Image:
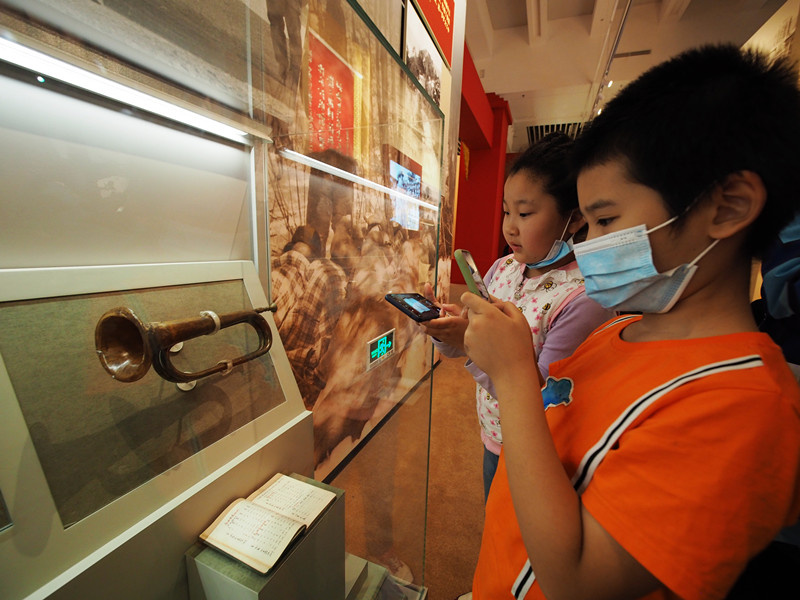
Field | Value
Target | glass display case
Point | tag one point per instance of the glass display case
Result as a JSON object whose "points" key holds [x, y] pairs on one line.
{"points": [[94, 460], [180, 158]]}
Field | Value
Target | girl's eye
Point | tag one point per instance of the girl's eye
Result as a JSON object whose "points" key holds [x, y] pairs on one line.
{"points": [[605, 221], [524, 214]]}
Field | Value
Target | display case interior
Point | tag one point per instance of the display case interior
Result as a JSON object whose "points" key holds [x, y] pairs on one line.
{"points": [[285, 157], [97, 437]]}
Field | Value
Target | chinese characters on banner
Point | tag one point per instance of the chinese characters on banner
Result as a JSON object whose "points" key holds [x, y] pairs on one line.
{"points": [[331, 100], [439, 15]]}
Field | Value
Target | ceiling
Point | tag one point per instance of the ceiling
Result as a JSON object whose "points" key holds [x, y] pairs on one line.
{"points": [[552, 59]]}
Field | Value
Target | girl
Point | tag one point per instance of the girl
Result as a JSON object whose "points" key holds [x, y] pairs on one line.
{"points": [[540, 277]]}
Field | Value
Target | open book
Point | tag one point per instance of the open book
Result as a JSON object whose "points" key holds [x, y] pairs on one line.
{"points": [[259, 529]]}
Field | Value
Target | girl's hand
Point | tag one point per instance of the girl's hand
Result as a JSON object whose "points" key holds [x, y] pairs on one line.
{"points": [[450, 326], [444, 309], [498, 338], [449, 330]]}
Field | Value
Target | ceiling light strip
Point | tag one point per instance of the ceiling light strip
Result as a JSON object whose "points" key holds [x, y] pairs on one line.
{"points": [[47, 66]]}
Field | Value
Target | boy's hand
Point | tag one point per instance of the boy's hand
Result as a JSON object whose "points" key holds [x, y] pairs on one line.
{"points": [[498, 337]]}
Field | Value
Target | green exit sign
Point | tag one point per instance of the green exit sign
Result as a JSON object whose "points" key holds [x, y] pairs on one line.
{"points": [[380, 348]]}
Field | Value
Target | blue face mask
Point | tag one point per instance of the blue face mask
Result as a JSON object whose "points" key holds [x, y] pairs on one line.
{"points": [[558, 250], [619, 273]]}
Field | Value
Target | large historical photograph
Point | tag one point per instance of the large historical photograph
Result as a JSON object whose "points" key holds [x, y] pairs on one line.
{"points": [[422, 55], [350, 221]]}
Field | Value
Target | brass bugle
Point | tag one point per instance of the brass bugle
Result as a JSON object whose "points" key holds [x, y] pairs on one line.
{"points": [[127, 347]]}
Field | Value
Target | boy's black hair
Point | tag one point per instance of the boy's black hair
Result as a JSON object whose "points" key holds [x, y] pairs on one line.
{"points": [[687, 123], [548, 160]]}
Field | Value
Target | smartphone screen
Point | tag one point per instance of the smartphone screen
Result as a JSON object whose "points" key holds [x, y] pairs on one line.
{"points": [[472, 276], [416, 306]]}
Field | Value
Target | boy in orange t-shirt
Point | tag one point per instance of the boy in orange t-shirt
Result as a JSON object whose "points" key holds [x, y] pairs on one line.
{"points": [[664, 454]]}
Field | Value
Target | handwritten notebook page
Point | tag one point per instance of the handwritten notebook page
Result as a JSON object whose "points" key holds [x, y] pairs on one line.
{"points": [[253, 535], [293, 498]]}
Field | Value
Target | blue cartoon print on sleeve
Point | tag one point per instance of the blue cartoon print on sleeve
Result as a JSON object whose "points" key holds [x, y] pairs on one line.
{"points": [[557, 391]]}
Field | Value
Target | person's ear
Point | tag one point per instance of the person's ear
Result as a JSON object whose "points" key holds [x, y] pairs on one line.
{"points": [[737, 202], [576, 221]]}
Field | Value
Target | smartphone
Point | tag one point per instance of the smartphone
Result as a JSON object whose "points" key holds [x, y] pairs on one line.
{"points": [[416, 306], [472, 276]]}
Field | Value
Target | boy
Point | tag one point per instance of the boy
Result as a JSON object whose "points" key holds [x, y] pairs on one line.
{"points": [[668, 451]]}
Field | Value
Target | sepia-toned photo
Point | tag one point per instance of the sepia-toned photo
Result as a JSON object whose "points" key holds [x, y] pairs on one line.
{"points": [[422, 55]]}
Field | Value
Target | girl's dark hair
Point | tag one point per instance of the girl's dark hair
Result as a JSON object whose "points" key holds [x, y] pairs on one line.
{"points": [[689, 122], [548, 160]]}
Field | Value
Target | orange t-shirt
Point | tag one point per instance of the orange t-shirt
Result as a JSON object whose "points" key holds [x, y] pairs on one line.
{"points": [[687, 452]]}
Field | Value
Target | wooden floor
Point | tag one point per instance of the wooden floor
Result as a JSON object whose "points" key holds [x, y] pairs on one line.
{"points": [[455, 489]]}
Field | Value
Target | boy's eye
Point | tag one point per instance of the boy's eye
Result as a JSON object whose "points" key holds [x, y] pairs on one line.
{"points": [[605, 221], [524, 214]]}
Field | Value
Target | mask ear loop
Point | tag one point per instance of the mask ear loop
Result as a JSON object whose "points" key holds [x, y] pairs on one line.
{"points": [[703, 253], [664, 224], [699, 256], [675, 218], [685, 211], [569, 220], [550, 254]]}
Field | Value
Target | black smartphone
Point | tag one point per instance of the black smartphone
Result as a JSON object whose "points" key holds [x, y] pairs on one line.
{"points": [[416, 306]]}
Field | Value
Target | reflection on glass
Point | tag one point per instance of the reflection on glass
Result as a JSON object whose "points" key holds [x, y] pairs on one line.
{"points": [[97, 438], [197, 44], [126, 190], [208, 47], [329, 284], [387, 15], [45, 66]]}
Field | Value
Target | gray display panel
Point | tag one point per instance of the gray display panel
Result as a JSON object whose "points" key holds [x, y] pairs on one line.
{"points": [[97, 438]]}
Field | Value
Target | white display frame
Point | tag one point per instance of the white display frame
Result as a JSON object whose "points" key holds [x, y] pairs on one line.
{"points": [[38, 556]]}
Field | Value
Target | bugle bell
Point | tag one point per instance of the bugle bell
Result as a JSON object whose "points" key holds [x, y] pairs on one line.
{"points": [[127, 347]]}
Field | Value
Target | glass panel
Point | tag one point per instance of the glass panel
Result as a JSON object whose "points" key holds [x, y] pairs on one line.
{"points": [[386, 484], [5, 518], [315, 78], [240, 60], [388, 18], [200, 45], [124, 190], [353, 241], [344, 233], [98, 438], [353, 215]]}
